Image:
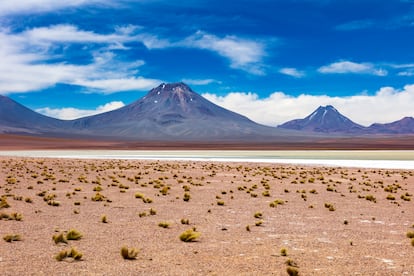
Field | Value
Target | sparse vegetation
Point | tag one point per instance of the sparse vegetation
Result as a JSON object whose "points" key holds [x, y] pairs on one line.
{"points": [[12, 237], [164, 224], [292, 271], [59, 238], [73, 235], [129, 253], [189, 235], [72, 253]]}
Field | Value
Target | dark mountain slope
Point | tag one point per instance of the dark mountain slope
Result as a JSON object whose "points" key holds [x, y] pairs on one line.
{"points": [[173, 111], [16, 118], [403, 126], [324, 119]]}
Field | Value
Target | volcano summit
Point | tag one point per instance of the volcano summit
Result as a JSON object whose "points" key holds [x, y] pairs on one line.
{"points": [[173, 112]]}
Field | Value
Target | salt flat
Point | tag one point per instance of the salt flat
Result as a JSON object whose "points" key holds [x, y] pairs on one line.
{"points": [[390, 159]]}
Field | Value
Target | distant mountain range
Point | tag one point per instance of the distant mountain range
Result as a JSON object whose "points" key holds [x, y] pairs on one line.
{"points": [[171, 112], [174, 112], [327, 119]]}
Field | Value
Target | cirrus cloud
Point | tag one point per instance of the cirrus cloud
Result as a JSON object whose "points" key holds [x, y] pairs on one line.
{"points": [[349, 67], [293, 72]]}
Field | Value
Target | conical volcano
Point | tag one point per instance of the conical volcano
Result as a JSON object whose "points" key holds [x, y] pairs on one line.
{"points": [[324, 119], [172, 111]]}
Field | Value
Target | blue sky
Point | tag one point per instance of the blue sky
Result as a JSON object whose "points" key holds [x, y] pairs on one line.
{"points": [[269, 60]]}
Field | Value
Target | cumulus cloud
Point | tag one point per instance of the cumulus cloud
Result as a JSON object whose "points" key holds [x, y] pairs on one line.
{"points": [[243, 54], [70, 113], [349, 67], [27, 64], [386, 105], [293, 72]]}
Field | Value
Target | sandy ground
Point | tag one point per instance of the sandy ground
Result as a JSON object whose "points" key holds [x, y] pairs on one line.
{"points": [[357, 237]]}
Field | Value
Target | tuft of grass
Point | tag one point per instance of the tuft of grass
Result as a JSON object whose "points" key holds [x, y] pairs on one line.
{"points": [[258, 215], [248, 228], [410, 234], [12, 237], [390, 197], [139, 195], [73, 235], [292, 271], [186, 196], [152, 212], [61, 255], [129, 253], [76, 255], [259, 223], [189, 235], [72, 253], [220, 203], [276, 202], [266, 193], [12, 216], [371, 198], [59, 238], [98, 197], [164, 224], [104, 219], [330, 207], [4, 203], [291, 262], [283, 252], [185, 221], [412, 241]]}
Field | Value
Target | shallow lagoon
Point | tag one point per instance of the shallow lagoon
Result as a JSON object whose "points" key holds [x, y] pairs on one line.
{"points": [[358, 158]]}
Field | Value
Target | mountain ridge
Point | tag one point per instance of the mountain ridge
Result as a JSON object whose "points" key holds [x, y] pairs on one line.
{"points": [[174, 112], [327, 119]]}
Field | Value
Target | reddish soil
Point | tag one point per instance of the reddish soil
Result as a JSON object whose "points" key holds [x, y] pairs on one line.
{"points": [[363, 234], [15, 142]]}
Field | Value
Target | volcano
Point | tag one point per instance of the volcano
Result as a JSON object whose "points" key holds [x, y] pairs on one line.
{"points": [[173, 112], [403, 126], [16, 118], [324, 119]]}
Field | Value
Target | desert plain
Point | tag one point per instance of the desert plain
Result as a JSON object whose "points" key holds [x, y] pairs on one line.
{"points": [[252, 218]]}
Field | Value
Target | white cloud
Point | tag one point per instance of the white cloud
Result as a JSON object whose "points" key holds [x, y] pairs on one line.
{"points": [[387, 105], [70, 113], [200, 81], [243, 54], [37, 6], [293, 72], [349, 67], [408, 73], [26, 63], [114, 85]]}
